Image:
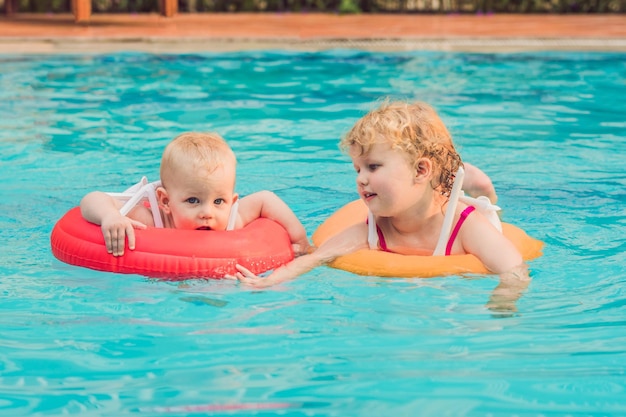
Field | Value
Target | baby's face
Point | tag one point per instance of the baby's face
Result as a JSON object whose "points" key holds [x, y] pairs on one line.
{"points": [[201, 201]]}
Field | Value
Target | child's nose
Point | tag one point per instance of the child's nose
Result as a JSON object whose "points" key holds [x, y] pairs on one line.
{"points": [[361, 177]]}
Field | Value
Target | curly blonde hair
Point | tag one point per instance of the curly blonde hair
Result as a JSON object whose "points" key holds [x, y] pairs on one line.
{"points": [[413, 128]]}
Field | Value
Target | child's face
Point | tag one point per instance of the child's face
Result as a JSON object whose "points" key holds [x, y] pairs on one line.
{"points": [[200, 202], [385, 180]]}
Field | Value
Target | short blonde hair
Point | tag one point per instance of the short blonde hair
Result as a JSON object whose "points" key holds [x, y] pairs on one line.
{"points": [[413, 128], [207, 150]]}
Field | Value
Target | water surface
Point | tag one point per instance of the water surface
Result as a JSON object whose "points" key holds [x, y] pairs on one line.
{"points": [[547, 127]]}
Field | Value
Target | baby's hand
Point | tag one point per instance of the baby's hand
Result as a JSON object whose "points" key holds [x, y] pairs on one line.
{"points": [[246, 277], [115, 229]]}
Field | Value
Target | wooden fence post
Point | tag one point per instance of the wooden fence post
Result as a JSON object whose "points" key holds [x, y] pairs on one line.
{"points": [[10, 7], [168, 7], [81, 10]]}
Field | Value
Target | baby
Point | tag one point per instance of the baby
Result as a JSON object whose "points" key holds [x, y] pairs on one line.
{"points": [[197, 191]]}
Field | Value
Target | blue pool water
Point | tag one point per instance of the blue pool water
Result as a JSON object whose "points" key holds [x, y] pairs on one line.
{"points": [[549, 128]]}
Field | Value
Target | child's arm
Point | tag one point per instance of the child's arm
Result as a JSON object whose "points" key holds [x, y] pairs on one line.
{"points": [[483, 240], [477, 183], [500, 256], [269, 205], [102, 209], [510, 288], [350, 240]]}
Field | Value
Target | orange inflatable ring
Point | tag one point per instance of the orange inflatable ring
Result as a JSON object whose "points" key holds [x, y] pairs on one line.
{"points": [[171, 253], [385, 264]]}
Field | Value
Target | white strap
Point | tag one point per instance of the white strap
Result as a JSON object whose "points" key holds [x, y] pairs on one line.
{"points": [[484, 206], [140, 192], [232, 217], [440, 249], [372, 234], [154, 204]]}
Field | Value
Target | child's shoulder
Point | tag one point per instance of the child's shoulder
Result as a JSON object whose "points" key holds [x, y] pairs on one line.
{"points": [[484, 208]]}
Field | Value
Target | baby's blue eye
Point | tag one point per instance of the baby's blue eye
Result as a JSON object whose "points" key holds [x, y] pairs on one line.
{"points": [[193, 200], [373, 167], [219, 201]]}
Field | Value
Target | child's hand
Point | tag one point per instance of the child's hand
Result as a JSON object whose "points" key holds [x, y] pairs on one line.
{"points": [[246, 277], [302, 248], [115, 229]]}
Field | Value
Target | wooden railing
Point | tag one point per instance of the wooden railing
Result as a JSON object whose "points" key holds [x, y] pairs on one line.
{"points": [[82, 8]]}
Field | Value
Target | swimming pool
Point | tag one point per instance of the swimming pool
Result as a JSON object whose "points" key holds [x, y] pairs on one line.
{"points": [[547, 127]]}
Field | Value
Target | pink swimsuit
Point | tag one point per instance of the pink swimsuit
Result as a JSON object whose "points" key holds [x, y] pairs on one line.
{"points": [[383, 245]]}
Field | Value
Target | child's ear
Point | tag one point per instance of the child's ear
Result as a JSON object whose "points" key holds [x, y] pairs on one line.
{"points": [[235, 198], [163, 199], [423, 169]]}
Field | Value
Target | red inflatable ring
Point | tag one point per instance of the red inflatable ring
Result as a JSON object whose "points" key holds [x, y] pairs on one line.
{"points": [[174, 254]]}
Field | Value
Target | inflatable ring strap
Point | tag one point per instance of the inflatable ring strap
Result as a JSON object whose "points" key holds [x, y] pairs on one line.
{"points": [[386, 264], [174, 254]]}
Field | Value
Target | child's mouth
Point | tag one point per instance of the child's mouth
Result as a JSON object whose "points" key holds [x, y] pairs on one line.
{"points": [[203, 228]]}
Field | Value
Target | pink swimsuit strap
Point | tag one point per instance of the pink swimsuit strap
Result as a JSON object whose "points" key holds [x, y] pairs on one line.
{"points": [[383, 245], [381, 240], [457, 227]]}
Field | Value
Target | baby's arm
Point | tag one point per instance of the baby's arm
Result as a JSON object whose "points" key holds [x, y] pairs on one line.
{"points": [[477, 183], [350, 240], [102, 209], [269, 205]]}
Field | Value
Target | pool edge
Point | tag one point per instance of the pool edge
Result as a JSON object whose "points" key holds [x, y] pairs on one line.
{"points": [[47, 45]]}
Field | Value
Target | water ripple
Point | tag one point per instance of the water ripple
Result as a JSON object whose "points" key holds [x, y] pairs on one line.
{"points": [[547, 127]]}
